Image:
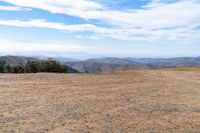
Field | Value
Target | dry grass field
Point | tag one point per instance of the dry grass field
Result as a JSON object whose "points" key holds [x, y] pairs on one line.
{"points": [[119, 102]]}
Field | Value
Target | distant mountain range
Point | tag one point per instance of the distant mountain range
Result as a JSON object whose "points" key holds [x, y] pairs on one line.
{"points": [[105, 64], [112, 64]]}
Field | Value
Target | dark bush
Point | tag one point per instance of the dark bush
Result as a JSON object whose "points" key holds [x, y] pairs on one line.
{"points": [[36, 66], [45, 66], [52, 66], [2, 66], [16, 68], [32, 67]]}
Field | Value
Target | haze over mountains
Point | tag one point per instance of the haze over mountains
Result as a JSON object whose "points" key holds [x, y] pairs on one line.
{"points": [[112, 64]]}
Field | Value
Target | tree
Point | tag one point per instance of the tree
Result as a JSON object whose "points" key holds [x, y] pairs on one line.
{"points": [[48, 65], [2, 66], [32, 67], [7, 69], [53, 66]]}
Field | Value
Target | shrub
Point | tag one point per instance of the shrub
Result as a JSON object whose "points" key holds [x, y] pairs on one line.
{"points": [[16, 68], [45, 66], [32, 67], [36, 66], [2, 66]]}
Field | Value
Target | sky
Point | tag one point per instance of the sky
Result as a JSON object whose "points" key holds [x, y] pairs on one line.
{"points": [[100, 28]]}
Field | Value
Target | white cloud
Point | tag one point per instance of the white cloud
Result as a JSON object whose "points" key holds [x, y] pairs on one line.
{"points": [[153, 15], [174, 34], [157, 21], [60, 26], [45, 24], [107, 32], [13, 8], [10, 46]]}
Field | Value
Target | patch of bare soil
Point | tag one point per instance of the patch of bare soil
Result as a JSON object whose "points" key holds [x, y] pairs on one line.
{"points": [[132, 101]]}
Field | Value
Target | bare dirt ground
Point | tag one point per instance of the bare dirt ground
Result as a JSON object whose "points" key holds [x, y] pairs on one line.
{"points": [[132, 101]]}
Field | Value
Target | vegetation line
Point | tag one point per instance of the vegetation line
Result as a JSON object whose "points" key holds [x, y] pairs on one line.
{"points": [[31, 66]]}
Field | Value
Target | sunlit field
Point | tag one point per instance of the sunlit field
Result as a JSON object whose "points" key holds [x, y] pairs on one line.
{"points": [[130, 101]]}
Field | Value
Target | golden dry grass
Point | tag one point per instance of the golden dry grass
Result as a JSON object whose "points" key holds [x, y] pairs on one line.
{"points": [[131, 101]]}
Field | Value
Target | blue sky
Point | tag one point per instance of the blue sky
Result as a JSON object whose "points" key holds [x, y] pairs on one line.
{"points": [[100, 28]]}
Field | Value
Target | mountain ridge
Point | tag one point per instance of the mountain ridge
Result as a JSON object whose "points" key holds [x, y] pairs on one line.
{"points": [[106, 64]]}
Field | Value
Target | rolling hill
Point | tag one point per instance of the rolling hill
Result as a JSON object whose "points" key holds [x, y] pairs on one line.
{"points": [[108, 64]]}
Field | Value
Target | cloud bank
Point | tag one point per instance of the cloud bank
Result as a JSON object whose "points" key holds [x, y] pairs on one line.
{"points": [[172, 20]]}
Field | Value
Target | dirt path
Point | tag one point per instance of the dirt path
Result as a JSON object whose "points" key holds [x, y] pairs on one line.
{"points": [[134, 101]]}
